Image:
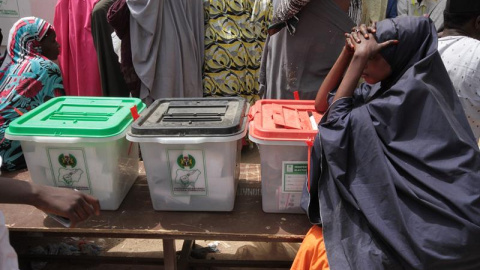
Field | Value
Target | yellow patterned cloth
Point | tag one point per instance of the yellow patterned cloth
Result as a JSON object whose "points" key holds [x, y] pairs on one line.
{"points": [[235, 33]]}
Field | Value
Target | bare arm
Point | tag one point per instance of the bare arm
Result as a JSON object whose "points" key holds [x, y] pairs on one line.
{"points": [[352, 76], [364, 50], [335, 75], [60, 201], [332, 80]]}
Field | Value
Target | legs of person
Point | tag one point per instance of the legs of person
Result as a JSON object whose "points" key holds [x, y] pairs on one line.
{"points": [[312, 254], [113, 83]]}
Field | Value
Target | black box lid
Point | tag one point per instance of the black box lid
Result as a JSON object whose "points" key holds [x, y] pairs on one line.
{"points": [[196, 117]]}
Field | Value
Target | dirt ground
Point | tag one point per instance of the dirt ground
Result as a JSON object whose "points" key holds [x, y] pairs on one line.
{"points": [[150, 248]]}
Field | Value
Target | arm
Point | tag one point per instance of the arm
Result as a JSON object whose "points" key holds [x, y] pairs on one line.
{"points": [[60, 201], [352, 76], [335, 75], [364, 50], [333, 79]]}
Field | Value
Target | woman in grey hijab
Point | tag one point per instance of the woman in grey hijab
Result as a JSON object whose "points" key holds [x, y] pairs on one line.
{"points": [[167, 47]]}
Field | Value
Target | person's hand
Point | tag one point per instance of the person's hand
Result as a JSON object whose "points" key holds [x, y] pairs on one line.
{"points": [[357, 31], [363, 30], [65, 202], [370, 47], [364, 34]]}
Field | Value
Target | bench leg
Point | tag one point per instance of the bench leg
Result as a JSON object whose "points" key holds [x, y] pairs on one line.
{"points": [[169, 254], [184, 259]]}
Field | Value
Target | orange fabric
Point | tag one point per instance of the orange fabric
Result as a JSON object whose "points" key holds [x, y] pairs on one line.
{"points": [[312, 254]]}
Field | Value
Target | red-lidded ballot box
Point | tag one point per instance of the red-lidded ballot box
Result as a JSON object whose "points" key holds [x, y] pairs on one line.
{"points": [[283, 129]]}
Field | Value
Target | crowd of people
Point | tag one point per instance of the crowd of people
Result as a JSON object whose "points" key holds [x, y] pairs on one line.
{"points": [[395, 165]]}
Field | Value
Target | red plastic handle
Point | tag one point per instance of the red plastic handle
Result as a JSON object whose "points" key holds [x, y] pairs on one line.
{"points": [[134, 112], [296, 95]]}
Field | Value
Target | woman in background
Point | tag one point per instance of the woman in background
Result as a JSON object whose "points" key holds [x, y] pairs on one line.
{"points": [[28, 78]]}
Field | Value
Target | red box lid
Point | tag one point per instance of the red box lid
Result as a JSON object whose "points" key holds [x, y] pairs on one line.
{"points": [[283, 120]]}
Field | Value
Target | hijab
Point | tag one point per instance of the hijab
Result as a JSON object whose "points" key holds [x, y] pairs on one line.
{"points": [[395, 175], [27, 79]]}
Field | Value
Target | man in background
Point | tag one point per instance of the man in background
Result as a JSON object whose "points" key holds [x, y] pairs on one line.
{"points": [[459, 48]]}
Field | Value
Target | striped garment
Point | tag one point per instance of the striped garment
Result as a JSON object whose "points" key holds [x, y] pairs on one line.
{"points": [[27, 79]]}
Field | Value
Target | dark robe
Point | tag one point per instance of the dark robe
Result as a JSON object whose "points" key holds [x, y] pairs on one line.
{"points": [[395, 179]]}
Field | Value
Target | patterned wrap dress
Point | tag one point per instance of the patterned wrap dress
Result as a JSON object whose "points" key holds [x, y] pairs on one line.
{"points": [[235, 34], [27, 80]]}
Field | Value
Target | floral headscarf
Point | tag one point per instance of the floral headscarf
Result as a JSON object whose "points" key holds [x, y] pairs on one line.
{"points": [[27, 79]]}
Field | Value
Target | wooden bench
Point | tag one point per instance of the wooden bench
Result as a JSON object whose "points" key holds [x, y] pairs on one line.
{"points": [[136, 218]]}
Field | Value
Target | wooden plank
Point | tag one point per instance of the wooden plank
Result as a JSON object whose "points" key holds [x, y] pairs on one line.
{"points": [[88, 259], [153, 261]]}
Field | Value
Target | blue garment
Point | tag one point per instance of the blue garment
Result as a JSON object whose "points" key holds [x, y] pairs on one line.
{"points": [[27, 80], [395, 168], [391, 9]]}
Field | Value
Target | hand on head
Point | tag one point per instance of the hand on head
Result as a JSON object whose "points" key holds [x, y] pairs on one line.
{"points": [[356, 32], [361, 41]]}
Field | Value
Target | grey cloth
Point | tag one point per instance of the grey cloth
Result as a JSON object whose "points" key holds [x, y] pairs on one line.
{"points": [[434, 9], [301, 62], [113, 83], [168, 47]]}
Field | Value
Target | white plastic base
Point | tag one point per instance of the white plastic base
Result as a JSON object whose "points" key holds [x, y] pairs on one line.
{"points": [[274, 198], [105, 170], [215, 168]]}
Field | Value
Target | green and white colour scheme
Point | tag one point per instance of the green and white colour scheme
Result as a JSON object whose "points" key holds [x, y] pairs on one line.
{"points": [[79, 143]]}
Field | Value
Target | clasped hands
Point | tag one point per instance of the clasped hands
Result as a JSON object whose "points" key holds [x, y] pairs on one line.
{"points": [[361, 41]]}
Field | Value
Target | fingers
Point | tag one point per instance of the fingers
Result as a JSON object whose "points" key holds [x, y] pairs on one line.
{"points": [[373, 27], [364, 31], [350, 44], [355, 36], [387, 43], [93, 203], [81, 213], [85, 207]]}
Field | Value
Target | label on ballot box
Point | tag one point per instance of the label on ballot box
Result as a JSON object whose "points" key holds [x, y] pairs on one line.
{"points": [[69, 168], [187, 169], [293, 175]]}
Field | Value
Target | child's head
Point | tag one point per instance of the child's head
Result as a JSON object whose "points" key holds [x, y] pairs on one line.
{"points": [[376, 70], [417, 38]]}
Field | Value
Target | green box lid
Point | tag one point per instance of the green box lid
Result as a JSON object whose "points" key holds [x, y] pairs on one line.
{"points": [[87, 117]]}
